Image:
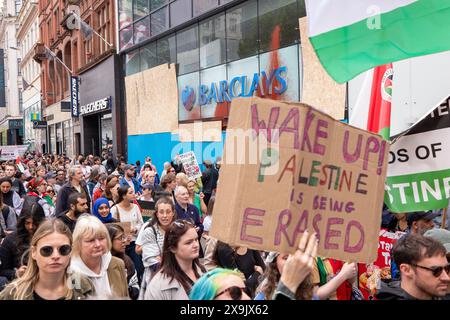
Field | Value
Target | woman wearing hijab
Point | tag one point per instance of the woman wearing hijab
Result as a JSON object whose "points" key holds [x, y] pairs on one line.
{"points": [[102, 210]]}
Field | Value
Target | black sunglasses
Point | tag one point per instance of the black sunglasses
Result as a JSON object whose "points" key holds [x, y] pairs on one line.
{"points": [[183, 223], [235, 292], [437, 271], [47, 251]]}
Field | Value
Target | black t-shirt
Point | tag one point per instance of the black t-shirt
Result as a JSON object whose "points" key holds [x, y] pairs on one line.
{"points": [[69, 222], [38, 297]]}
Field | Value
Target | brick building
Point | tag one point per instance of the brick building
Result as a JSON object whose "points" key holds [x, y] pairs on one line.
{"points": [[92, 60]]}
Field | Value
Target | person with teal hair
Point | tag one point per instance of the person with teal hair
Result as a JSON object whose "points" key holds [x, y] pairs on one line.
{"points": [[220, 284], [102, 210]]}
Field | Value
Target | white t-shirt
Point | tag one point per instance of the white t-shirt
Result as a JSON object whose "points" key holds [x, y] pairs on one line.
{"points": [[132, 215]]}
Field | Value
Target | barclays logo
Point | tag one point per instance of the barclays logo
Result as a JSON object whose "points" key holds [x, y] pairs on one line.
{"points": [[188, 98]]}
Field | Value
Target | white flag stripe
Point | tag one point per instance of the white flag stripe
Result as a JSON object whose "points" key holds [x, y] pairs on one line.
{"points": [[360, 112], [416, 165], [327, 15]]}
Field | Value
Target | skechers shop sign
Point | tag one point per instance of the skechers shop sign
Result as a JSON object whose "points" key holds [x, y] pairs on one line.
{"points": [[265, 84], [96, 106]]}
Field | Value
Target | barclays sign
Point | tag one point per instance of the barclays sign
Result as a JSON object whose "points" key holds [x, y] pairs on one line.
{"points": [[224, 91]]}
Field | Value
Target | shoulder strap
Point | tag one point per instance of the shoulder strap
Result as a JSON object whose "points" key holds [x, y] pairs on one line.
{"points": [[116, 211], [156, 239]]}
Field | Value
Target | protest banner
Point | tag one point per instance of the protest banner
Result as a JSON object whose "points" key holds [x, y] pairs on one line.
{"points": [[190, 165], [371, 274], [418, 175], [313, 172], [12, 152]]}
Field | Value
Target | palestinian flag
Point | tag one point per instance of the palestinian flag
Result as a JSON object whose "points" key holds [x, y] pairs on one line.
{"points": [[379, 117], [372, 110], [352, 36]]}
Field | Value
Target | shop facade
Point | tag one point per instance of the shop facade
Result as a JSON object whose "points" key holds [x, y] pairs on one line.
{"points": [[59, 132], [221, 49], [99, 101]]}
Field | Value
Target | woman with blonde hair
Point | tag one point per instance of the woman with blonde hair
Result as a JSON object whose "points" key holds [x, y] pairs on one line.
{"points": [[46, 276], [92, 258]]}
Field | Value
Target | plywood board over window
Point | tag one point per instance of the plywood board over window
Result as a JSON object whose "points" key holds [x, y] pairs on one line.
{"points": [[319, 89], [152, 100], [201, 131]]}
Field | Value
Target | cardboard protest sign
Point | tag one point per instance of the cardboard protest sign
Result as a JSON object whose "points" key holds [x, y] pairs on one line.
{"points": [[310, 172], [190, 165], [371, 274], [418, 176], [147, 208]]}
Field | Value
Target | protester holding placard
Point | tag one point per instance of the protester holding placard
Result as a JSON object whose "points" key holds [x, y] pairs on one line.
{"points": [[275, 264]]}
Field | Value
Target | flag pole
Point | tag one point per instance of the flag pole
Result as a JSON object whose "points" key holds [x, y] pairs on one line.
{"points": [[55, 57], [79, 19], [444, 218]]}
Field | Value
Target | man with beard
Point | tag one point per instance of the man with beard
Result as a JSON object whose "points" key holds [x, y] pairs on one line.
{"points": [[77, 206], [423, 267]]}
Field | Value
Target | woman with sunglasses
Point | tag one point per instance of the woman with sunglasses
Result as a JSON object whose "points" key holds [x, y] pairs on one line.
{"points": [[92, 258], [220, 284], [151, 240], [180, 265], [46, 277]]}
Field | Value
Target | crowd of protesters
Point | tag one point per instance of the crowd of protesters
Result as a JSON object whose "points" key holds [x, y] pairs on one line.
{"points": [[77, 229]]}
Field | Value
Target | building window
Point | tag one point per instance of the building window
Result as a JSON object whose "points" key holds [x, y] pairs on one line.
{"points": [[212, 41], [242, 31], [278, 20], [155, 4], [142, 30], [19, 71], [148, 56], [103, 27], [125, 13], [167, 50], [132, 62], [141, 9], [20, 102], [187, 50], [18, 5], [202, 6], [180, 11], [160, 21]]}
